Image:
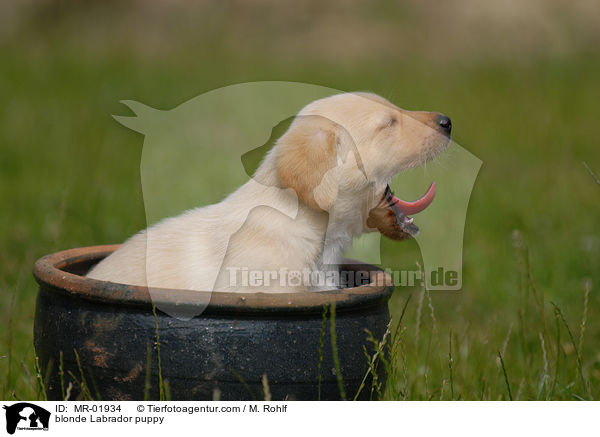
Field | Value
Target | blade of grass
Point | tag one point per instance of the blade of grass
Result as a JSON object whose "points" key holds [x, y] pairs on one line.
{"points": [[373, 360], [266, 388], [505, 376], [404, 356], [544, 377], [94, 386], [373, 370], [30, 379], [406, 302], [161, 386], [334, 349], [167, 390], [85, 391], [321, 338], [61, 374], [596, 179], [588, 286], [557, 362], [239, 377], [41, 379], [482, 384], [148, 372], [568, 390], [450, 365], [68, 393], [577, 355]]}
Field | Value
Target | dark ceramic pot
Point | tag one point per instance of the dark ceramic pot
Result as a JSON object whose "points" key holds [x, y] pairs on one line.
{"points": [[221, 353]]}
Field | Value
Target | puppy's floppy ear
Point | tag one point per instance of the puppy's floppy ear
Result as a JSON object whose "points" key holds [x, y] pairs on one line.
{"points": [[307, 160]]}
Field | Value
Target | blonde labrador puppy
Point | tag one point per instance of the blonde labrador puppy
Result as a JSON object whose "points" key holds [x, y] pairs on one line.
{"points": [[324, 182]]}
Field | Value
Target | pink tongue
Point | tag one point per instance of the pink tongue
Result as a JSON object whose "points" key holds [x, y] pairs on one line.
{"points": [[410, 208]]}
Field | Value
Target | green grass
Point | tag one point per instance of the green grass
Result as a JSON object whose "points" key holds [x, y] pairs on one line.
{"points": [[532, 353], [69, 177]]}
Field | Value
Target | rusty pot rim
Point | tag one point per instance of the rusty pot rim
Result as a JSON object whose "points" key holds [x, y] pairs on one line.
{"points": [[49, 271]]}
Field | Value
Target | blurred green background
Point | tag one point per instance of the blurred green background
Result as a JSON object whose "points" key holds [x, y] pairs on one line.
{"points": [[521, 81]]}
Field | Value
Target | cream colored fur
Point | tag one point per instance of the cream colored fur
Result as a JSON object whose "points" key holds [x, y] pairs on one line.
{"points": [[308, 199]]}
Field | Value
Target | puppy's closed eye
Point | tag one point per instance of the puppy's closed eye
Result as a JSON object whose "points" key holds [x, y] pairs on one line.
{"points": [[390, 121]]}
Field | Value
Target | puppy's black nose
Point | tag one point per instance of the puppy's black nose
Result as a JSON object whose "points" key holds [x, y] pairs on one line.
{"points": [[445, 124]]}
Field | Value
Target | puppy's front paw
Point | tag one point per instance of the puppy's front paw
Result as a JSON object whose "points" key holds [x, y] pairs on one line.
{"points": [[389, 223]]}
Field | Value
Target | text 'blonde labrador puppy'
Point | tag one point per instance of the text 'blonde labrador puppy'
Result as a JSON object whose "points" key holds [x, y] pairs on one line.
{"points": [[324, 182]]}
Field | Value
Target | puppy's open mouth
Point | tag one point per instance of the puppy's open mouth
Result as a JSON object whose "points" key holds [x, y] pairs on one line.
{"points": [[403, 209]]}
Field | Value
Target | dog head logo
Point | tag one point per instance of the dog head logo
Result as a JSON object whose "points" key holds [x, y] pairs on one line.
{"points": [[26, 416], [245, 121]]}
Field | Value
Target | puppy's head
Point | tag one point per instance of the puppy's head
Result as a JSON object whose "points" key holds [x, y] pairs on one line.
{"points": [[340, 154]]}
